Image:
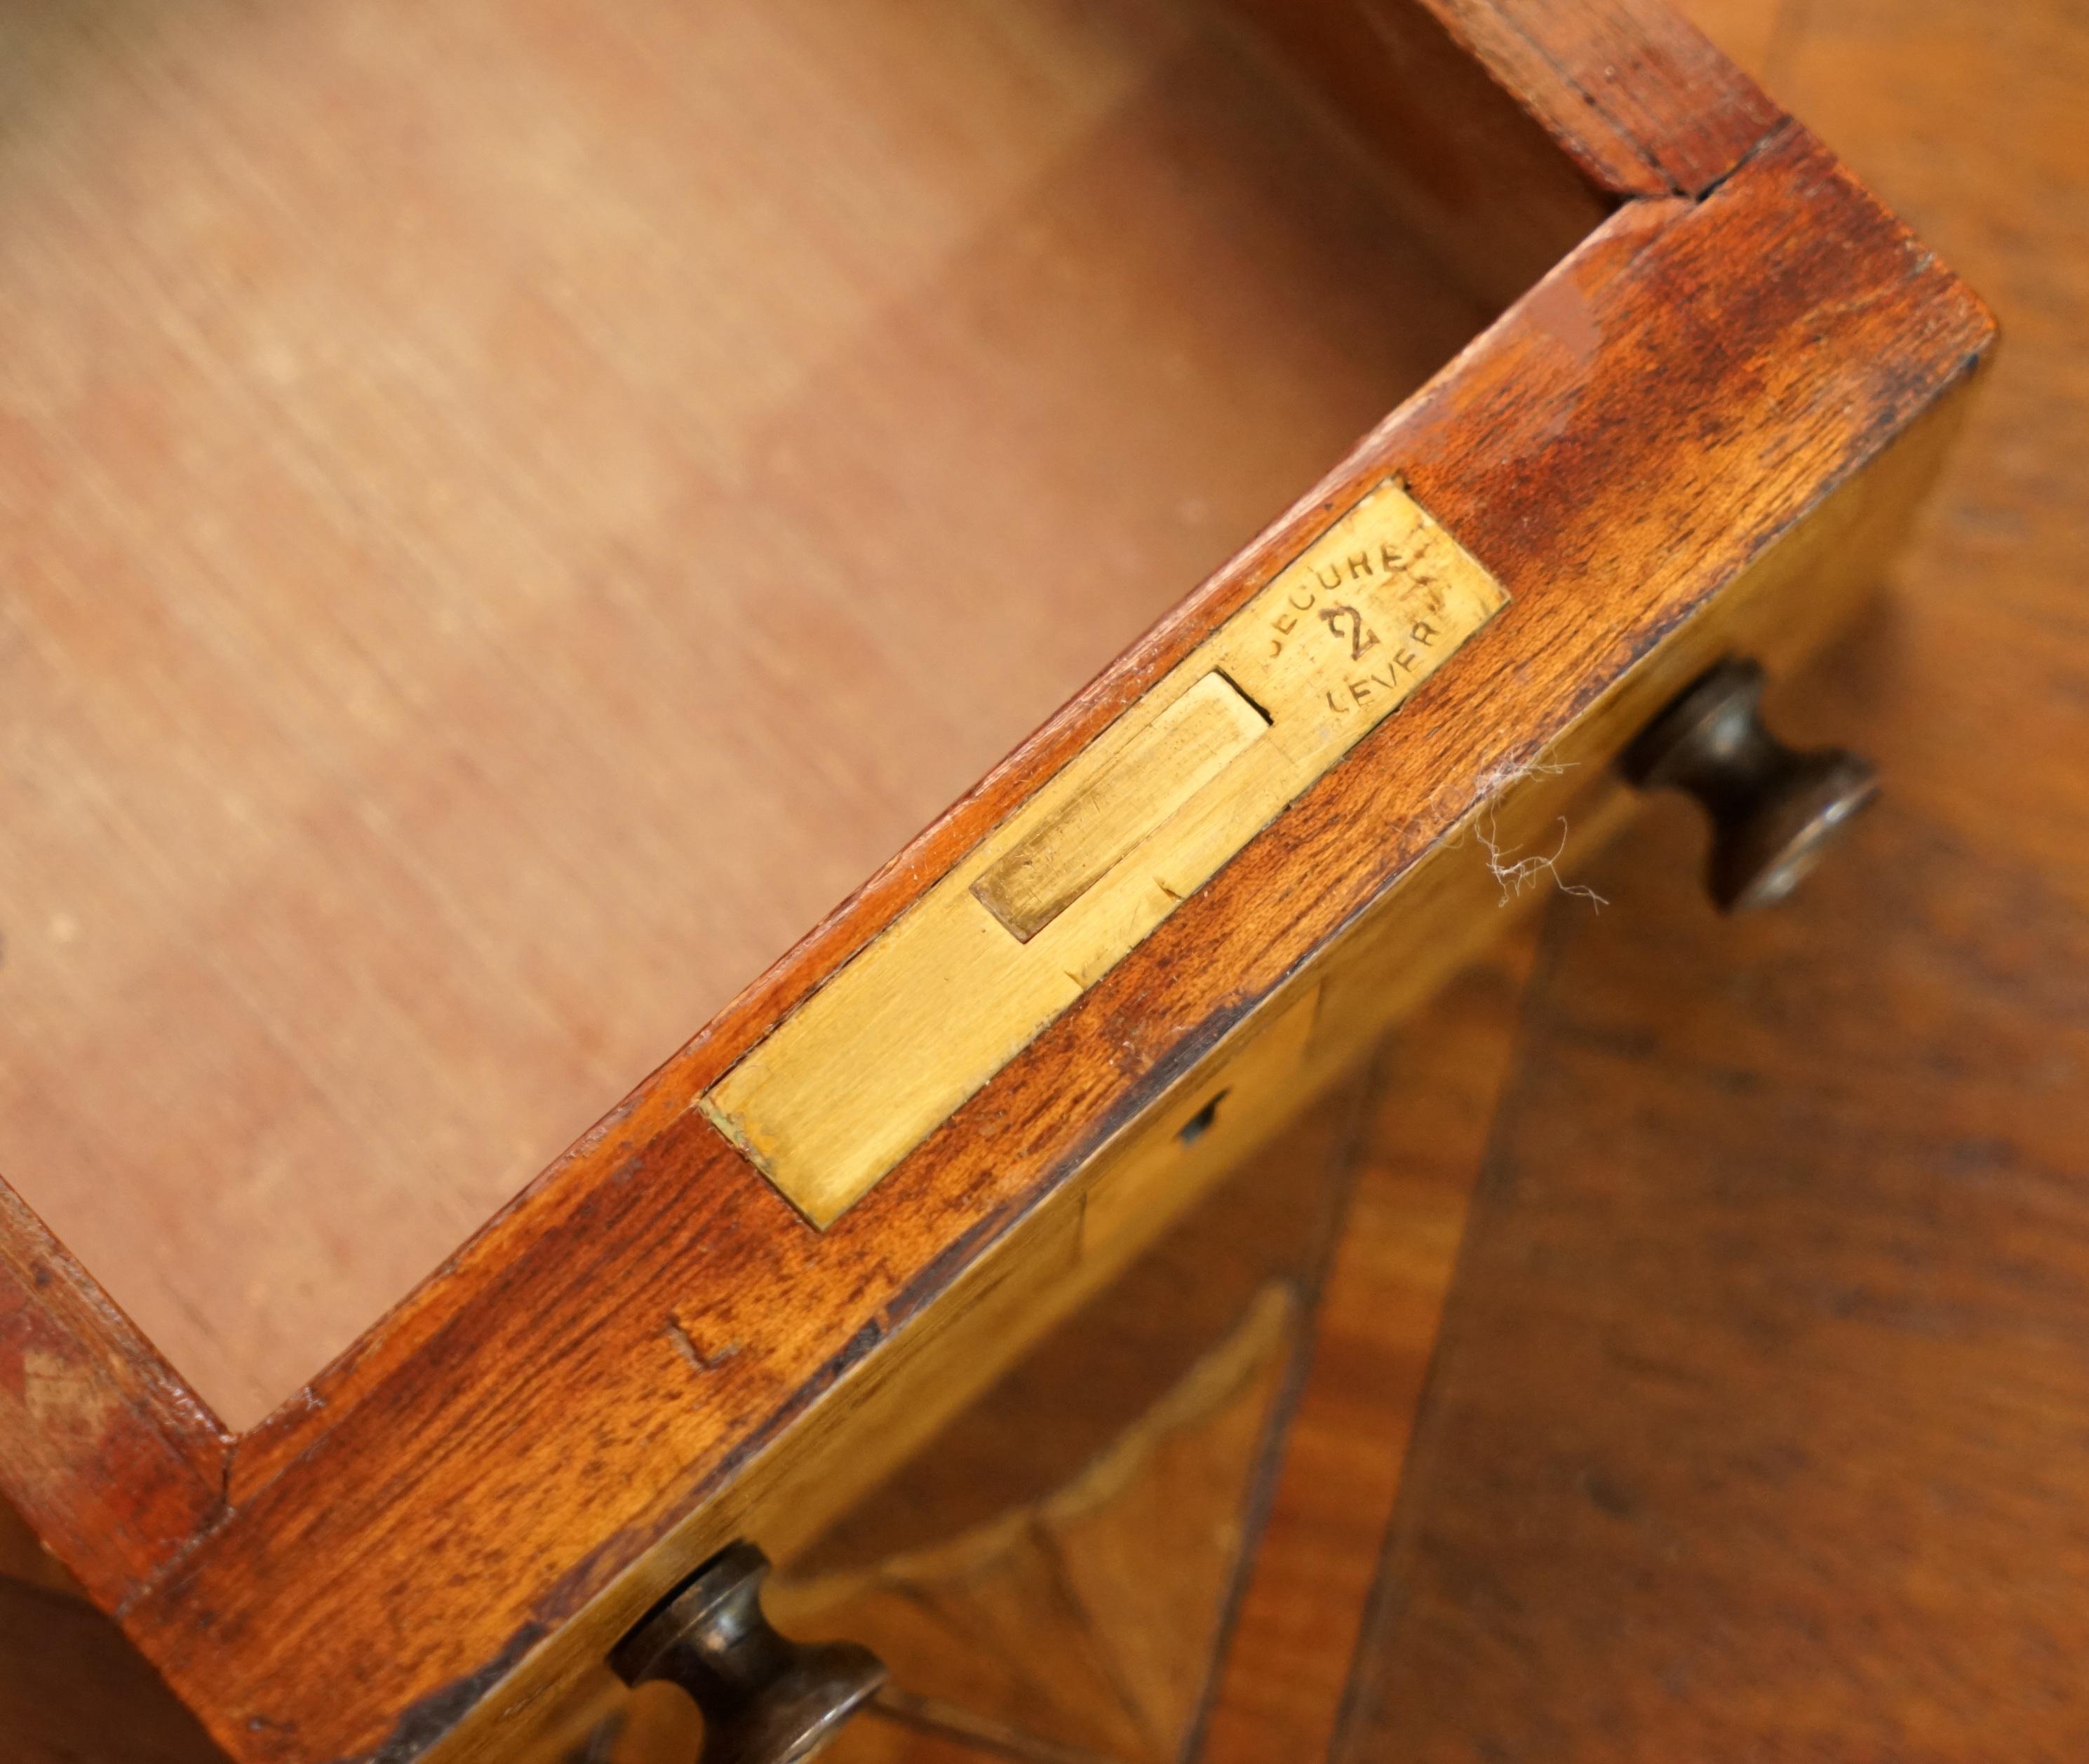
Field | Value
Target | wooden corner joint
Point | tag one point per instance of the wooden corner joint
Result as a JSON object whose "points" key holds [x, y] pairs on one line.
{"points": [[105, 1450]]}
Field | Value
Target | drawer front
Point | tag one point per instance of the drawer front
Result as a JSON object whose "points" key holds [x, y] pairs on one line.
{"points": [[1259, 987], [1149, 940]]}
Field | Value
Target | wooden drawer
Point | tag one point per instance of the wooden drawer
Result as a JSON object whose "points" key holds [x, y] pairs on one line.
{"points": [[512, 513]]}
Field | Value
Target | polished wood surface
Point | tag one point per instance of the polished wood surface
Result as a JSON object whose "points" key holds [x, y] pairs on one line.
{"points": [[109, 1458], [1758, 1429], [498, 547], [566, 1325], [1070, 1596], [458, 1517], [1757, 1432], [1208, 1450], [1280, 1675]]}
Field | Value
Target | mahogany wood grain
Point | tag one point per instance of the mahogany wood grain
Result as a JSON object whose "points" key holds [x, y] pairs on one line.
{"points": [[1283, 1675], [1412, 1134], [1634, 73], [1072, 1604], [1476, 176], [102, 1449], [533, 1410], [1760, 1419], [1505, 127], [1639, 103], [1130, 1444], [488, 571], [458, 1515], [1615, 1554], [1050, 1573]]}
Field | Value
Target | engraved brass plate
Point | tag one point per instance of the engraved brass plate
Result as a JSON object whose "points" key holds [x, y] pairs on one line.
{"points": [[1136, 822]]}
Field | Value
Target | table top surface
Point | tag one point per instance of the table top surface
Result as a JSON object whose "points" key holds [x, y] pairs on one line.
{"points": [[1758, 1427]]}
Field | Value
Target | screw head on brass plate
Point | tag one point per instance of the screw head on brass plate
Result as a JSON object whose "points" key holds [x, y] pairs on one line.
{"points": [[765, 1699], [1774, 810]]}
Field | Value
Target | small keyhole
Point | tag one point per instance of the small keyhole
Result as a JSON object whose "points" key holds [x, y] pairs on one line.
{"points": [[1200, 1124]]}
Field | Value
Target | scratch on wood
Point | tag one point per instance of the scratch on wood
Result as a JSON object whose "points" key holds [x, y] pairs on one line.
{"points": [[685, 1345]]}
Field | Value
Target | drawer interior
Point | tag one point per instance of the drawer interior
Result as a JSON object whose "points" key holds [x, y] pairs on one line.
{"points": [[512, 510]]}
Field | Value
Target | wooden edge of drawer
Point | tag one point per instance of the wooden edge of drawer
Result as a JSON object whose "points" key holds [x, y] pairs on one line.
{"points": [[831, 1100], [533, 1456], [1289, 1049], [1682, 115]]}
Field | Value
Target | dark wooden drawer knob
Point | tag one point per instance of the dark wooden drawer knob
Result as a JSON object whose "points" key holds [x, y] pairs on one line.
{"points": [[1774, 809], [765, 1699]]}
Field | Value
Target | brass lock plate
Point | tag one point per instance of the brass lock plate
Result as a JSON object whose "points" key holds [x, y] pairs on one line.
{"points": [[1076, 878]]}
